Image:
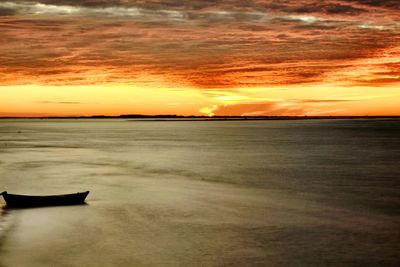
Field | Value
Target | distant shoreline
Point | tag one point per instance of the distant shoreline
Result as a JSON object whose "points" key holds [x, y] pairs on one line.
{"points": [[203, 118]]}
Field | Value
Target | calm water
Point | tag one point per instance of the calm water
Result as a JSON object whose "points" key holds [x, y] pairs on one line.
{"points": [[216, 193]]}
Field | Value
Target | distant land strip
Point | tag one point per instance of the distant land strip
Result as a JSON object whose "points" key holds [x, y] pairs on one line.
{"points": [[203, 118]]}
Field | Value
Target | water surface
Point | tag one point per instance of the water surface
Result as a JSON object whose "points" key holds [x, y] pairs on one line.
{"points": [[206, 193]]}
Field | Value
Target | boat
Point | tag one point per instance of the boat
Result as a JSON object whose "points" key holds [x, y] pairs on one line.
{"points": [[26, 201]]}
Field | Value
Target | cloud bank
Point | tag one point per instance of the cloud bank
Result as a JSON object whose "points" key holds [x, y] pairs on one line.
{"points": [[200, 44]]}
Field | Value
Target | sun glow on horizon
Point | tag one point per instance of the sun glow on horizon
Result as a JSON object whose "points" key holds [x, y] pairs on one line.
{"points": [[119, 99]]}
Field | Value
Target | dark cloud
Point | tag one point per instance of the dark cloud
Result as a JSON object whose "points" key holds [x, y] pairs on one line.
{"points": [[343, 9], [378, 3], [321, 7], [330, 7], [4, 11]]}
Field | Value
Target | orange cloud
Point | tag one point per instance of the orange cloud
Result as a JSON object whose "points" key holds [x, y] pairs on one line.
{"points": [[299, 107], [202, 45], [225, 45]]}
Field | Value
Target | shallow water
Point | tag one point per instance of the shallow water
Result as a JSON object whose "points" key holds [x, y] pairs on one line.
{"points": [[206, 193]]}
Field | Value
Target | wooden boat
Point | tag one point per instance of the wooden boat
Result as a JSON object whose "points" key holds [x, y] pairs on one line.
{"points": [[25, 201]]}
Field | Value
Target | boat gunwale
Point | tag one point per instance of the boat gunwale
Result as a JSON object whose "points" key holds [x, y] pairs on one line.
{"points": [[5, 193]]}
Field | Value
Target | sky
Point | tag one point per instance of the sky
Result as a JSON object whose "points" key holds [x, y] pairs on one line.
{"points": [[230, 57]]}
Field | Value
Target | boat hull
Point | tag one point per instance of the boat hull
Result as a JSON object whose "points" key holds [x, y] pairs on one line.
{"points": [[25, 201]]}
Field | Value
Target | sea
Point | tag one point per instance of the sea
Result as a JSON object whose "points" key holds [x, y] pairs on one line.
{"points": [[203, 193]]}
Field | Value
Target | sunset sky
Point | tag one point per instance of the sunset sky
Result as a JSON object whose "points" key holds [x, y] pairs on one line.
{"points": [[231, 57]]}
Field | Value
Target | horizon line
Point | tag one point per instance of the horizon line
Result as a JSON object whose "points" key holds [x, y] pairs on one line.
{"points": [[203, 117]]}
